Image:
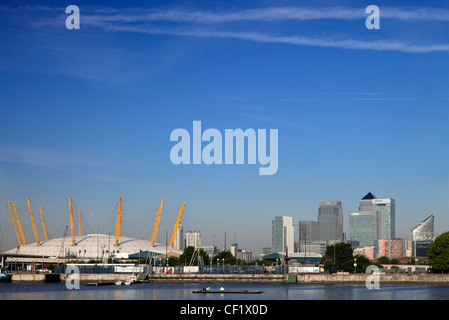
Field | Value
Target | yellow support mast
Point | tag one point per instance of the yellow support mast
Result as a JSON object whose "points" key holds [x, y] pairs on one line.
{"points": [[79, 223], [24, 240], [72, 225], [118, 228], [15, 225], [156, 223], [33, 222], [178, 221], [43, 225]]}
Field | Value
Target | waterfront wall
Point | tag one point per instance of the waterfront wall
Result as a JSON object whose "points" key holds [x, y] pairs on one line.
{"points": [[383, 278], [220, 278], [246, 278]]}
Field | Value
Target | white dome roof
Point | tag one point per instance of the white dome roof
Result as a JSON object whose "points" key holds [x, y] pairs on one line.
{"points": [[94, 246]]}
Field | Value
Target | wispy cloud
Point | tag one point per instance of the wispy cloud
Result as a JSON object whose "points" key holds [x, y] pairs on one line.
{"points": [[220, 24], [133, 15], [41, 158], [378, 45]]}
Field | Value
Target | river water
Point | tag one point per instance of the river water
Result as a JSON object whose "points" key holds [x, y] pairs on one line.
{"points": [[181, 291]]}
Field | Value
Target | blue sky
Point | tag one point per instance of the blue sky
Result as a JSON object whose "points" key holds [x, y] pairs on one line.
{"points": [[89, 112]]}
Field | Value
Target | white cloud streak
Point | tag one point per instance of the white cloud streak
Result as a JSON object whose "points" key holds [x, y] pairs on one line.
{"points": [[192, 23], [41, 158], [379, 45], [138, 15]]}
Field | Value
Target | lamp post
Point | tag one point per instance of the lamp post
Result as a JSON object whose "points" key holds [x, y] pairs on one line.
{"points": [[355, 265]]}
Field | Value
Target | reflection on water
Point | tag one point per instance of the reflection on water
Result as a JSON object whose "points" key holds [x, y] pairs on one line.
{"points": [[179, 291]]}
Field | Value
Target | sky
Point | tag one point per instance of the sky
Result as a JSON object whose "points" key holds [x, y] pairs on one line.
{"points": [[88, 113]]}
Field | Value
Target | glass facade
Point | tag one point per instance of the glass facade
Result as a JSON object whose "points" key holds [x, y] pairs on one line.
{"points": [[308, 231], [425, 230], [364, 227], [330, 221], [387, 214], [282, 234]]}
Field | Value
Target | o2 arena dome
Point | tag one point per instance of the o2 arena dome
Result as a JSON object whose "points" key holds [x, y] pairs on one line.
{"points": [[93, 246]]}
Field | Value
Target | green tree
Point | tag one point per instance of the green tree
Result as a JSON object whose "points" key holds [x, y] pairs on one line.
{"points": [[383, 260], [186, 256], [338, 257], [362, 263], [438, 254], [394, 261], [226, 255]]}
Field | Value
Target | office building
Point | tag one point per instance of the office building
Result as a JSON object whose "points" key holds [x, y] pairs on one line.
{"points": [[387, 214], [330, 221], [364, 228], [392, 248], [193, 239], [425, 230], [369, 251], [179, 242], [366, 203], [314, 247], [308, 231], [282, 234]]}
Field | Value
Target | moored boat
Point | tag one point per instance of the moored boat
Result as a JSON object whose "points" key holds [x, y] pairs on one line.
{"points": [[5, 277]]}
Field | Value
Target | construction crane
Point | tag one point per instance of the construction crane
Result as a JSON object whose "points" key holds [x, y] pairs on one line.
{"points": [[175, 228], [156, 223], [62, 242], [118, 228]]}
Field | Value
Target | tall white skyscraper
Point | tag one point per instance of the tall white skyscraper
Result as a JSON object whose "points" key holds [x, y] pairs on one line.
{"points": [[193, 239], [282, 234], [179, 239]]}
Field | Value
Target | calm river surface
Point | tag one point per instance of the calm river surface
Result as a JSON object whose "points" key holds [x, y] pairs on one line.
{"points": [[176, 291]]}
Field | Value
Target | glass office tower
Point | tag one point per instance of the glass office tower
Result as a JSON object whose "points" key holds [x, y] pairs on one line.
{"points": [[387, 214], [425, 230], [330, 221], [282, 234], [364, 227]]}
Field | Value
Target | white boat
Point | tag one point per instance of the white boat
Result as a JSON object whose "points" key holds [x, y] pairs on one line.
{"points": [[118, 283], [131, 281]]}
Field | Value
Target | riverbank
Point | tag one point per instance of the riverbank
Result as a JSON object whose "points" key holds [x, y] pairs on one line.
{"points": [[402, 278], [441, 279]]}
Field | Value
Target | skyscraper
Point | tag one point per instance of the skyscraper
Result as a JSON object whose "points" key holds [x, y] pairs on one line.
{"points": [[383, 214], [179, 242], [387, 213], [193, 239], [282, 234], [364, 228], [425, 230], [330, 221], [364, 225], [308, 231], [366, 203]]}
